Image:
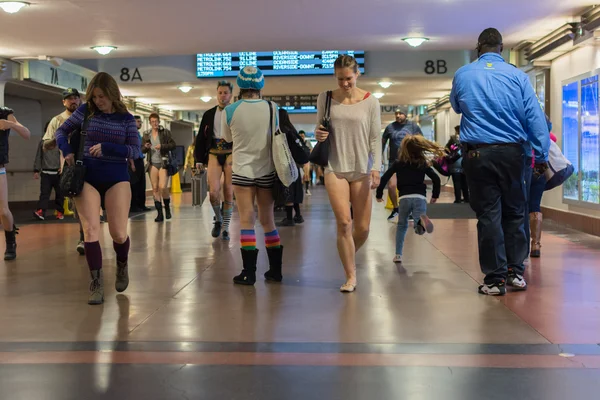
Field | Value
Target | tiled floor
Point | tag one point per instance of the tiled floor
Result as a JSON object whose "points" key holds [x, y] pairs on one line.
{"points": [[417, 331]]}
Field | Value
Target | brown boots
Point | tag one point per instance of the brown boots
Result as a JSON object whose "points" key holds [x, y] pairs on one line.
{"points": [[535, 223]]}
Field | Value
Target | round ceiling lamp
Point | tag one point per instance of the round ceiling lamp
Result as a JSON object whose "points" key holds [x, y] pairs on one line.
{"points": [[104, 50], [12, 7], [415, 41]]}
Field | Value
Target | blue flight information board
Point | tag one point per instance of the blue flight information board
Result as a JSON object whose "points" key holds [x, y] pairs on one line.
{"points": [[273, 63]]}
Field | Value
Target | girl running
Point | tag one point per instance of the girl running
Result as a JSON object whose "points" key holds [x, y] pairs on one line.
{"points": [[414, 162]]}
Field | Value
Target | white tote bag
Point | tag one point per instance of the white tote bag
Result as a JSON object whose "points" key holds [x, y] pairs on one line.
{"points": [[559, 167], [286, 168]]}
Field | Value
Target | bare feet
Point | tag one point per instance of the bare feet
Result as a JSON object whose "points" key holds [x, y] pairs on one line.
{"points": [[349, 286]]}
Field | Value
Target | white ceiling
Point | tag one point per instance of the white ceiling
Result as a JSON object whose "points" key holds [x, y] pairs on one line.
{"points": [[142, 28]]}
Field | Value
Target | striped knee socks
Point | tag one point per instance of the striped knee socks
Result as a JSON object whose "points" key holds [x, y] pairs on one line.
{"points": [[217, 209], [248, 239], [272, 240], [227, 211]]}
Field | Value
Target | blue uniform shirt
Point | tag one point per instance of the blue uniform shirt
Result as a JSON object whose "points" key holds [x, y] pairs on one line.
{"points": [[499, 106]]}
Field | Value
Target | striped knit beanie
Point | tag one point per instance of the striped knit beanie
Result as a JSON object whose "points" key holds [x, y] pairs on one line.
{"points": [[251, 78]]}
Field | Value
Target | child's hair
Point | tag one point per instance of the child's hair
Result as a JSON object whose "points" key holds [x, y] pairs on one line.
{"points": [[415, 149]]}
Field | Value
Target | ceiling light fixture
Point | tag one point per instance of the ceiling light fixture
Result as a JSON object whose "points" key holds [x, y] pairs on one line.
{"points": [[185, 89], [385, 85], [415, 41], [206, 99], [379, 95], [12, 7], [104, 50]]}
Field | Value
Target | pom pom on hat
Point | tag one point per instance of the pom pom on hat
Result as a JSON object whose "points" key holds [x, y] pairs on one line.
{"points": [[251, 78]]}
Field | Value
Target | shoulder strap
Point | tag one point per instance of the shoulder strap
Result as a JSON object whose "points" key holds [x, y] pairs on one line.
{"points": [[272, 117], [328, 103], [83, 134]]}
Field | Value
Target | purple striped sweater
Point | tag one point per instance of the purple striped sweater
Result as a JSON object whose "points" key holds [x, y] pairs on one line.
{"points": [[116, 132]]}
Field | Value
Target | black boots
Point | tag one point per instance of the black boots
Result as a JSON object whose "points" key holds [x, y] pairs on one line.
{"points": [[11, 244], [274, 272], [160, 217], [249, 258], [167, 208], [248, 275]]}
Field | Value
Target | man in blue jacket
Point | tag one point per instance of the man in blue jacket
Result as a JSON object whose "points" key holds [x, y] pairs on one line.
{"points": [[502, 121]]}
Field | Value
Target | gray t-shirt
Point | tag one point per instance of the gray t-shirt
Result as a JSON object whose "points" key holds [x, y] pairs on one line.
{"points": [[355, 135], [156, 157]]}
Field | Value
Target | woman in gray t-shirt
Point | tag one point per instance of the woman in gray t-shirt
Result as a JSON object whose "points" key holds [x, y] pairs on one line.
{"points": [[354, 160]]}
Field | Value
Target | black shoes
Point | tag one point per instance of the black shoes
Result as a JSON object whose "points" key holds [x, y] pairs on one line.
{"points": [[286, 222], [216, 231]]}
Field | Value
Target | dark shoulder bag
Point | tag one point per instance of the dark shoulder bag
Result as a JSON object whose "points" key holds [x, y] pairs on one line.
{"points": [[73, 176], [320, 154]]}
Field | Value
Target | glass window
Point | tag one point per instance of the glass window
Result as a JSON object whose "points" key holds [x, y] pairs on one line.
{"points": [[570, 137], [590, 152], [540, 89]]}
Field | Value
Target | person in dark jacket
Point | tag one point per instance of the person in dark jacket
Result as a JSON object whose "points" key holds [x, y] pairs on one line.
{"points": [[459, 179], [295, 193], [410, 170], [138, 177], [158, 142], [213, 152], [47, 166], [8, 122]]}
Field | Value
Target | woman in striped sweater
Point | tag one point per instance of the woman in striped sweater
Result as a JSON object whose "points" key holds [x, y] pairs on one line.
{"points": [[112, 138]]}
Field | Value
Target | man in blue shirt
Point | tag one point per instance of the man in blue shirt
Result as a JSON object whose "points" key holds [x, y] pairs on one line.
{"points": [[502, 121], [395, 133]]}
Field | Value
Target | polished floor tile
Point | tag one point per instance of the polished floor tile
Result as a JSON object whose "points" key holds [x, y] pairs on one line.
{"points": [[419, 330]]}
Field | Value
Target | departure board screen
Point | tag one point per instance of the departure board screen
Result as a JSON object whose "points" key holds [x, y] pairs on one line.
{"points": [[298, 104], [273, 63]]}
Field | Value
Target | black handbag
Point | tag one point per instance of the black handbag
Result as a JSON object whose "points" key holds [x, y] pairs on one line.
{"points": [[172, 165], [320, 153], [73, 176]]}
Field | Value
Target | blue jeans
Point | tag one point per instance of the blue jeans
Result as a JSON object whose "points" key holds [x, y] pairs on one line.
{"points": [[536, 191], [528, 183], [496, 176], [415, 206]]}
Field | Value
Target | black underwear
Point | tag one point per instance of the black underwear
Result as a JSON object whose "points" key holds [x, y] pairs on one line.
{"points": [[221, 158]]}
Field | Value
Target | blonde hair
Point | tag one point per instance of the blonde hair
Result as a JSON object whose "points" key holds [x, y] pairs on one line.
{"points": [[415, 149], [108, 85], [346, 61]]}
